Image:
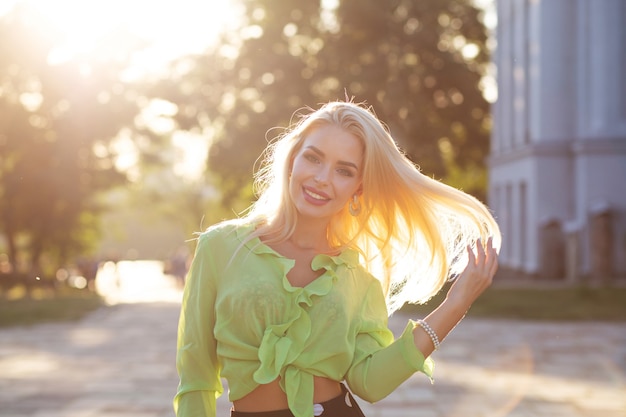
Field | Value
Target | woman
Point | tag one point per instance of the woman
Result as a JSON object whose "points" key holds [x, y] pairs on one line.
{"points": [[292, 300]]}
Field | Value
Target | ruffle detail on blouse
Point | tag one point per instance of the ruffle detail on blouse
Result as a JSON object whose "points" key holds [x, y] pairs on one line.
{"points": [[283, 343]]}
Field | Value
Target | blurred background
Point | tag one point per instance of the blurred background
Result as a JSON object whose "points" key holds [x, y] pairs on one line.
{"points": [[126, 126]]}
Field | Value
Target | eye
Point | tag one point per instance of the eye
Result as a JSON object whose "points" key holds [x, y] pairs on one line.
{"points": [[311, 157], [345, 172]]}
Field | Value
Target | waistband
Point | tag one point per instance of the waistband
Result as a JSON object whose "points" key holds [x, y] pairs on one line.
{"points": [[342, 405]]}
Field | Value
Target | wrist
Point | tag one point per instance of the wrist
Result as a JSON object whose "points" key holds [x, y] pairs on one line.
{"points": [[456, 303], [454, 307], [429, 331]]}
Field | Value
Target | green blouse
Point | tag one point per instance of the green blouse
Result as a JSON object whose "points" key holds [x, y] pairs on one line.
{"points": [[242, 320]]}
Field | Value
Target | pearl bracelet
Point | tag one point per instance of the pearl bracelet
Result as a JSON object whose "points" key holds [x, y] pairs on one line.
{"points": [[430, 332]]}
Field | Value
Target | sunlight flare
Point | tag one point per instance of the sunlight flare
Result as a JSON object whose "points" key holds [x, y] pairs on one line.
{"points": [[170, 28]]}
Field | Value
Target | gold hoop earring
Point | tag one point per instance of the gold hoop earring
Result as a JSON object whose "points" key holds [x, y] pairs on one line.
{"points": [[355, 206]]}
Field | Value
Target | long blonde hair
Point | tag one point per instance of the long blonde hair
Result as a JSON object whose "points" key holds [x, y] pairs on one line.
{"points": [[412, 230]]}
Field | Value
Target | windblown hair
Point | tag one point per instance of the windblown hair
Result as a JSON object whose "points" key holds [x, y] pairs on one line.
{"points": [[412, 231]]}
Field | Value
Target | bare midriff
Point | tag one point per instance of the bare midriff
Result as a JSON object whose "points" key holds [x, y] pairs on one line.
{"points": [[271, 397]]}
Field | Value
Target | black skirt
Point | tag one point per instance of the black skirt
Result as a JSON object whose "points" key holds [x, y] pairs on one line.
{"points": [[342, 406]]}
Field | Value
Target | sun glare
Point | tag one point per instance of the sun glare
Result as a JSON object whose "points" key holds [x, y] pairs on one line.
{"points": [[168, 29], [171, 28]]}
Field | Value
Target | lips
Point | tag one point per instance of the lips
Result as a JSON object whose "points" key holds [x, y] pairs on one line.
{"points": [[315, 197]]}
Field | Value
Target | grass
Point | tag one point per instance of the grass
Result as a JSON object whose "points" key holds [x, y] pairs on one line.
{"points": [[533, 303], [66, 305], [543, 304]]}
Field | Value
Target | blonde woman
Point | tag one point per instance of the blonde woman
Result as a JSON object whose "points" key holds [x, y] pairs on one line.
{"points": [[289, 304]]}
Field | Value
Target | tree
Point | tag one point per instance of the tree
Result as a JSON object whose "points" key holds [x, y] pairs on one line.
{"points": [[250, 83], [418, 63], [56, 124]]}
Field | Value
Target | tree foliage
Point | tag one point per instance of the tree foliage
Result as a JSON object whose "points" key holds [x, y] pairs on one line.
{"points": [[418, 63], [405, 57], [56, 123]]}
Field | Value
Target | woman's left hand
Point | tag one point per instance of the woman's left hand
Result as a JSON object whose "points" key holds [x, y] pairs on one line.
{"points": [[470, 284], [477, 275]]}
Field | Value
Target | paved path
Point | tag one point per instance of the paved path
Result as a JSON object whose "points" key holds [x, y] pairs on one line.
{"points": [[119, 362]]}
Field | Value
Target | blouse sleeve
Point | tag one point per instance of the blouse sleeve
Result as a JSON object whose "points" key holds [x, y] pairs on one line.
{"points": [[196, 358], [381, 363]]}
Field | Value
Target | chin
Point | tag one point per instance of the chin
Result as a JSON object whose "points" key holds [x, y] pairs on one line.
{"points": [[312, 213]]}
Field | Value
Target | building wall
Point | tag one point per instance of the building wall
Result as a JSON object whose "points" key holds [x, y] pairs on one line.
{"points": [[559, 138]]}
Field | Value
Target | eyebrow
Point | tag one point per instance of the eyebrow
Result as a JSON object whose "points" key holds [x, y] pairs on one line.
{"points": [[347, 163]]}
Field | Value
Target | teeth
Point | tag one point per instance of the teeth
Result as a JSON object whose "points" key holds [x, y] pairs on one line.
{"points": [[315, 196]]}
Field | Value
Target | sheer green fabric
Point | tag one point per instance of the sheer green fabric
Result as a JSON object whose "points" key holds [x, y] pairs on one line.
{"points": [[243, 321]]}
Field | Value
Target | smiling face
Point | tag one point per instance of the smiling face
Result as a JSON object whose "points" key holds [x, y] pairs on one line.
{"points": [[326, 172]]}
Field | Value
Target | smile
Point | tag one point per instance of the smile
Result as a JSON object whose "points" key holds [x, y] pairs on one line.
{"points": [[315, 195]]}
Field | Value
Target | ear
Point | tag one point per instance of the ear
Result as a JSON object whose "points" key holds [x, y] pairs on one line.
{"points": [[359, 191]]}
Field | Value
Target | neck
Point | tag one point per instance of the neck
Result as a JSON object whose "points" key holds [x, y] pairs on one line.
{"points": [[310, 237]]}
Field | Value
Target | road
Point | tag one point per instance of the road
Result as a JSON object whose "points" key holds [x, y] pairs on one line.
{"points": [[119, 362]]}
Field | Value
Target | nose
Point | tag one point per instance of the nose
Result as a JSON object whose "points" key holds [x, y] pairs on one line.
{"points": [[322, 176]]}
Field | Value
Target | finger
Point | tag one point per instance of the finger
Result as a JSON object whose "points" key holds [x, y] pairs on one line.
{"points": [[471, 258], [493, 268], [492, 247], [491, 265], [480, 250], [490, 252]]}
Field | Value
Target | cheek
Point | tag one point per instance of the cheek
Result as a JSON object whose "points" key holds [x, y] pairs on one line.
{"points": [[294, 181], [350, 186], [300, 170]]}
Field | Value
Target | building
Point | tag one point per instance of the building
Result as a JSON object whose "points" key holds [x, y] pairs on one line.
{"points": [[558, 156]]}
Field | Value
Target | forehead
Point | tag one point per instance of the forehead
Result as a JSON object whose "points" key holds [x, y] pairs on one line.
{"points": [[334, 141]]}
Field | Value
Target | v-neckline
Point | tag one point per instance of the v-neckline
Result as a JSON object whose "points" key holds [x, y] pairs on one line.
{"points": [[328, 262]]}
